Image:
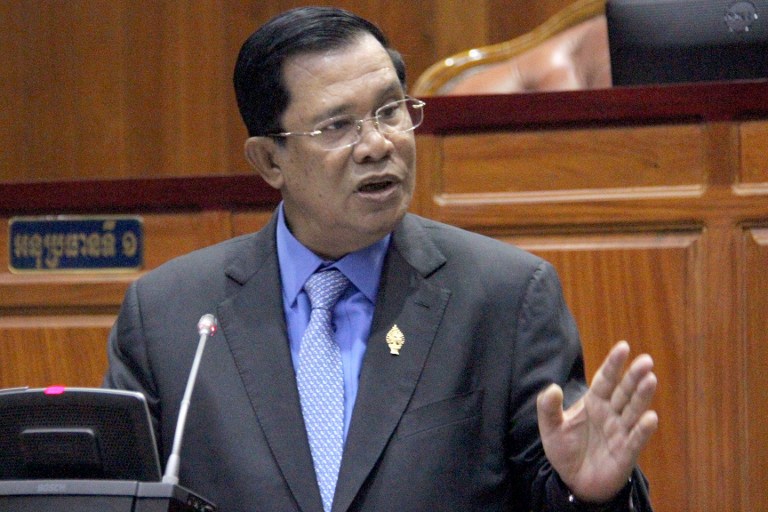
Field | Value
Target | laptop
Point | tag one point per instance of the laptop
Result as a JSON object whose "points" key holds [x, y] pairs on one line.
{"points": [[76, 433], [669, 41]]}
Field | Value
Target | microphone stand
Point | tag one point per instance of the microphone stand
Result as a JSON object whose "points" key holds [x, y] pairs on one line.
{"points": [[206, 327], [118, 495]]}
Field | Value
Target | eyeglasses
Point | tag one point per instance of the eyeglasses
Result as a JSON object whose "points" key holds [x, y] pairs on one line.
{"points": [[344, 131]]}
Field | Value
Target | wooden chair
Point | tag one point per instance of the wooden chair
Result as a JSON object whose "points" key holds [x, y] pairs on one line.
{"points": [[568, 51]]}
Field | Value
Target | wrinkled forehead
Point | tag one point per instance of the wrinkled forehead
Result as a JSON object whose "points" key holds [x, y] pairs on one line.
{"points": [[341, 74]]}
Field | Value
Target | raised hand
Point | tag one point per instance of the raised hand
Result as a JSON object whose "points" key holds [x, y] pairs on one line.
{"points": [[595, 443]]}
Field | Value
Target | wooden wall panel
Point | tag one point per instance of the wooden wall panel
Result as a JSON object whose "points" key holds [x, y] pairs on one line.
{"points": [[176, 58], [249, 222], [754, 153], [39, 353], [636, 286], [471, 26], [118, 89], [754, 469], [12, 134], [645, 222], [135, 88], [715, 364], [521, 163], [509, 18], [56, 115], [56, 324], [171, 235]]}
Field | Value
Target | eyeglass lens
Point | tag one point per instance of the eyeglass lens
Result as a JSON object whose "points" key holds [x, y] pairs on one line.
{"points": [[396, 117]]}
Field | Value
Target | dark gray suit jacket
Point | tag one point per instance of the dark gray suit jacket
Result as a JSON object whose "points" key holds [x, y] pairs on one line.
{"points": [[449, 424]]}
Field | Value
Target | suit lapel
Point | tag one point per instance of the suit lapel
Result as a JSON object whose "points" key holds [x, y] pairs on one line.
{"points": [[253, 323], [387, 381]]}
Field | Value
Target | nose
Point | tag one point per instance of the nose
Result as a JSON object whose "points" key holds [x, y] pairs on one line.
{"points": [[373, 145]]}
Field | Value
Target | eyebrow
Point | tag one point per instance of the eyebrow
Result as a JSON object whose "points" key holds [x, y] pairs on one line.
{"points": [[392, 89]]}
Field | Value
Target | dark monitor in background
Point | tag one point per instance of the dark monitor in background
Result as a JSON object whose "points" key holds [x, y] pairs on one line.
{"points": [[76, 433], [667, 41]]}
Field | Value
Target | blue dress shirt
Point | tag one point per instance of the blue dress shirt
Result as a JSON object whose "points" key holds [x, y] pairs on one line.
{"points": [[353, 313]]}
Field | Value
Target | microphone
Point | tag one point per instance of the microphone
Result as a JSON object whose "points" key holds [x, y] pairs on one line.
{"points": [[51, 495], [206, 327]]}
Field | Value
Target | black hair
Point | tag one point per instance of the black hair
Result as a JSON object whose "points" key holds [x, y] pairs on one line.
{"points": [[262, 96]]}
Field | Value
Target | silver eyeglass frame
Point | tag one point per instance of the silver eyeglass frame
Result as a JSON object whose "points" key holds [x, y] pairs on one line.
{"points": [[417, 104]]}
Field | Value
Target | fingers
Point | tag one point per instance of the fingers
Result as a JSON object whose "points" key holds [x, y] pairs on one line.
{"points": [[607, 377], [549, 407], [633, 395], [640, 369], [642, 431], [629, 394]]}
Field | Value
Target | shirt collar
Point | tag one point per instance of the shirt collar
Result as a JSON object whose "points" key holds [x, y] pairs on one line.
{"points": [[297, 263]]}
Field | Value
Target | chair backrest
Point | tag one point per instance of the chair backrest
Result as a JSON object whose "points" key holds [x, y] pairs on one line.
{"points": [[568, 51]]}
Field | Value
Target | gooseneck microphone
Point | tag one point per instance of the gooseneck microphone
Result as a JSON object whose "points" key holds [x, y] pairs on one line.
{"points": [[206, 327]]}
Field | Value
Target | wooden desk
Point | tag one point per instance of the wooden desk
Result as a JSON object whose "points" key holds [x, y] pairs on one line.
{"points": [[653, 205]]}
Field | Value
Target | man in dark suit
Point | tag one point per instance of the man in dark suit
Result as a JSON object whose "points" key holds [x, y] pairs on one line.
{"points": [[455, 352]]}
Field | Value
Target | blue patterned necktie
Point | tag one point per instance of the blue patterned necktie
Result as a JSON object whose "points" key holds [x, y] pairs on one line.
{"points": [[320, 381]]}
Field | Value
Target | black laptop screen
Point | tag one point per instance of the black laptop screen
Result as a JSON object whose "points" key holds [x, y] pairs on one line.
{"points": [[76, 433], [665, 41]]}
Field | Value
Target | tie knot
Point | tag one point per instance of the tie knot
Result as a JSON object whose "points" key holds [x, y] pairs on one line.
{"points": [[325, 288]]}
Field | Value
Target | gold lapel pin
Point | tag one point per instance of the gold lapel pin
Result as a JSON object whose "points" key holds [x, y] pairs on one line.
{"points": [[395, 340]]}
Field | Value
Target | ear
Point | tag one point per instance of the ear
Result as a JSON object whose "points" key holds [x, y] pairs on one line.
{"points": [[259, 151]]}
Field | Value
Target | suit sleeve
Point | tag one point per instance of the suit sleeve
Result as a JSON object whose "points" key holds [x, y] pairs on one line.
{"points": [[547, 350], [127, 353]]}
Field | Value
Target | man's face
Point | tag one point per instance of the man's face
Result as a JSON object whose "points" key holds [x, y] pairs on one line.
{"points": [[345, 199]]}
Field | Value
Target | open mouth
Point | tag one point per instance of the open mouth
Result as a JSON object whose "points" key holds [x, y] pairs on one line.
{"points": [[375, 187]]}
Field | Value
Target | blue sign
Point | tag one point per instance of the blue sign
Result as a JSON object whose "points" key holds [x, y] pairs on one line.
{"points": [[75, 243]]}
